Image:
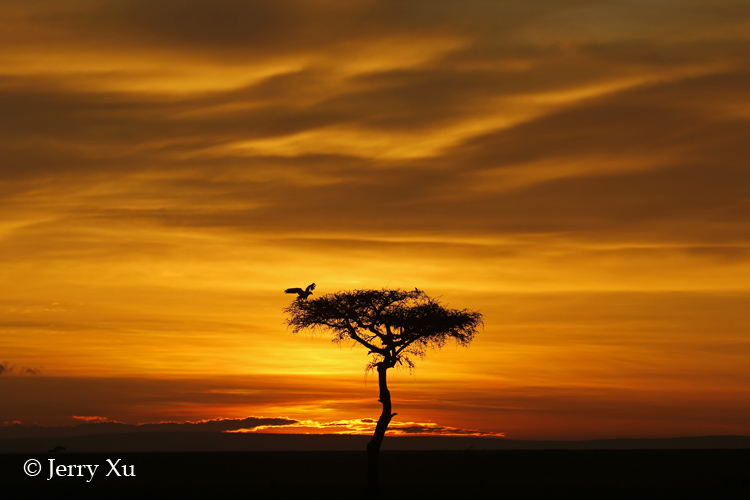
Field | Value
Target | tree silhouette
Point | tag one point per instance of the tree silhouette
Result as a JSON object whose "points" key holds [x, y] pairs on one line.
{"points": [[395, 326]]}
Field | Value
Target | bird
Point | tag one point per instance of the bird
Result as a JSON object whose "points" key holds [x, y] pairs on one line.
{"points": [[302, 294]]}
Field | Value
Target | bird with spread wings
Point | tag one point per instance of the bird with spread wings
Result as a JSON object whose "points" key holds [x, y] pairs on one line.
{"points": [[302, 294]]}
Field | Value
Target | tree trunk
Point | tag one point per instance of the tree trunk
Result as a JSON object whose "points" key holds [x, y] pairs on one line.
{"points": [[373, 447]]}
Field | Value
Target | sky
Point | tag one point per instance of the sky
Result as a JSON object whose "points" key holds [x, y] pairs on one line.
{"points": [[576, 171]]}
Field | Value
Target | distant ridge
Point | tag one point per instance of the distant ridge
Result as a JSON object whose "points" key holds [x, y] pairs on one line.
{"points": [[218, 441]]}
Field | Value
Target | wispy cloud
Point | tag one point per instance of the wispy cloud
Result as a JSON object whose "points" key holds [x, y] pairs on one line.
{"points": [[367, 426], [102, 425], [576, 170], [91, 418]]}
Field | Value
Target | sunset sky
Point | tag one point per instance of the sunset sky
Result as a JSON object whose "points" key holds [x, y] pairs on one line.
{"points": [[577, 171]]}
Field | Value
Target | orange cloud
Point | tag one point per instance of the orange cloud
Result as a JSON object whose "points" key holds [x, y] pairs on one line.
{"points": [[574, 171], [367, 427]]}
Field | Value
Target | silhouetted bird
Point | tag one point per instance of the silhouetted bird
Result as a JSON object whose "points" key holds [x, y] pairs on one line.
{"points": [[303, 294]]}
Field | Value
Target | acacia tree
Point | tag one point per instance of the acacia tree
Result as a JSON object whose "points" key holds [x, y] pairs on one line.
{"points": [[395, 326]]}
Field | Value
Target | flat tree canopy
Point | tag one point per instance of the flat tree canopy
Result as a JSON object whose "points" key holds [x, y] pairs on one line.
{"points": [[394, 325]]}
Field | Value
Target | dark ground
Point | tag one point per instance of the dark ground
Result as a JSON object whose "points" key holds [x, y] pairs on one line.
{"points": [[509, 474]]}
